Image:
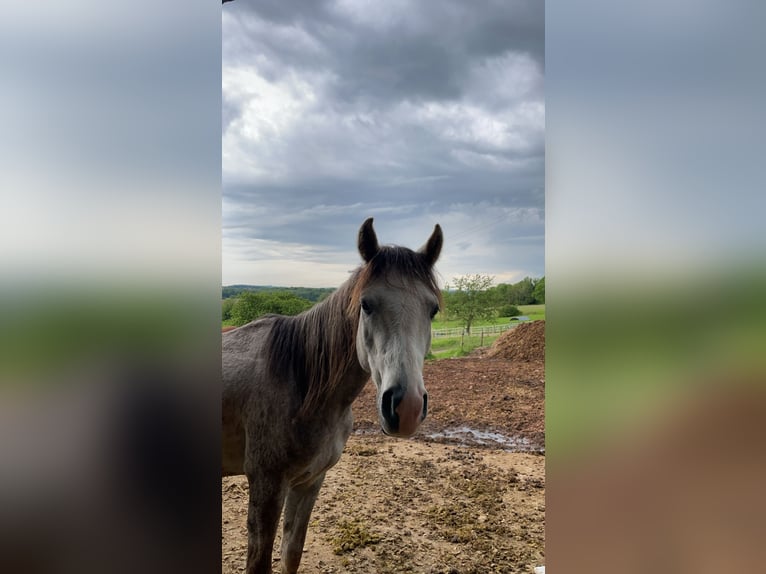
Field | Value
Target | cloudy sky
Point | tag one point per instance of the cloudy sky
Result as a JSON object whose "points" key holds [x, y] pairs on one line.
{"points": [[414, 113]]}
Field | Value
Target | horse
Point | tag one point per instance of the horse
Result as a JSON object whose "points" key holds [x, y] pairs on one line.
{"points": [[288, 385]]}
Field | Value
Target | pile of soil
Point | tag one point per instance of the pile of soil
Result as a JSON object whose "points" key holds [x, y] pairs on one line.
{"points": [[523, 343]]}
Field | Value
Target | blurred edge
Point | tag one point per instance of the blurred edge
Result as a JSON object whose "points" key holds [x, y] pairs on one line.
{"points": [[109, 294], [110, 189], [656, 323], [655, 425]]}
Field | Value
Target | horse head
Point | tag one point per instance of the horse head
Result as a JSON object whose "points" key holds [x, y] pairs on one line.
{"points": [[397, 299]]}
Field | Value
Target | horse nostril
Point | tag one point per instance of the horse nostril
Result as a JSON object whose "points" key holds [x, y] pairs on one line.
{"points": [[389, 403], [425, 406]]}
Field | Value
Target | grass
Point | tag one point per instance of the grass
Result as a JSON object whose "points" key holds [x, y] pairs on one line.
{"points": [[448, 347], [534, 312]]}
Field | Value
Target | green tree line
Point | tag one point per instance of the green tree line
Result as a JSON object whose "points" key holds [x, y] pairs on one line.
{"points": [[312, 294], [528, 291], [249, 305]]}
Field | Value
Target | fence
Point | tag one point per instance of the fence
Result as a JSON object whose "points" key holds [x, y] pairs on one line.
{"points": [[475, 332]]}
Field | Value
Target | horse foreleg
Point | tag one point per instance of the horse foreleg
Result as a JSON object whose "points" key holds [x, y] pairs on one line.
{"points": [[300, 502], [265, 505]]}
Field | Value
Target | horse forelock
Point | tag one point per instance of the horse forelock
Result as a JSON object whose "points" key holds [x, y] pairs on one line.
{"points": [[318, 347], [396, 266]]}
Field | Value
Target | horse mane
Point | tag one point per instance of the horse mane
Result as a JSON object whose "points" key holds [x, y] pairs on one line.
{"points": [[318, 347]]}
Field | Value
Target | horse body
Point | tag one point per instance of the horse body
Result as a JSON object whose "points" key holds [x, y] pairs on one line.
{"points": [[289, 382], [256, 405]]}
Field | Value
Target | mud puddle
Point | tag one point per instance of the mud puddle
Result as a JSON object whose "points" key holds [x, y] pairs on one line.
{"points": [[468, 436]]}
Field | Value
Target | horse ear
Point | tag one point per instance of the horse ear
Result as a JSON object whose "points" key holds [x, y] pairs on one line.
{"points": [[433, 246], [368, 241]]}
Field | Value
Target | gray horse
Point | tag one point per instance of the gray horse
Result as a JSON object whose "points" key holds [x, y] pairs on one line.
{"points": [[288, 385]]}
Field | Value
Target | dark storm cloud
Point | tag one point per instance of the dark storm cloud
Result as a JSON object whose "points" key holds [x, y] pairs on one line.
{"points": [[423, 51], [380, 64]]}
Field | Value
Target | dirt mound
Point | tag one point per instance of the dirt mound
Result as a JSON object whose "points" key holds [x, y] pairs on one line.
{"points": [[523, 343]]}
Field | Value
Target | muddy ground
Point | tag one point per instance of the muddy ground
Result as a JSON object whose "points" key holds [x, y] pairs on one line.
{"points": [[466, 495]]}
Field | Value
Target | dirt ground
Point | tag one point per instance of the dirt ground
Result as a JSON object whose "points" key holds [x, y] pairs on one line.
{"points": [[465, 495]]}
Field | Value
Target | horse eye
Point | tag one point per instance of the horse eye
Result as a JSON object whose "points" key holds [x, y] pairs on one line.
{"points": [[366, 307], [434, 311]]}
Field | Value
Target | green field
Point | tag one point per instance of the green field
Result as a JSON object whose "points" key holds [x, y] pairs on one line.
{"points": [[534, 312], [446, 347]]}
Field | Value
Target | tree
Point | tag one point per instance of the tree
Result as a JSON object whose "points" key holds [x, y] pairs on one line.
{"points": [[539, 291], [469, 300], [226, 307], [500, 295], [508, 311], [250, 305], [523, 292]]}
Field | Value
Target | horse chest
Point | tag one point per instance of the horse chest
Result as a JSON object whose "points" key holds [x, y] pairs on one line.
{"points": [[324, 449]]}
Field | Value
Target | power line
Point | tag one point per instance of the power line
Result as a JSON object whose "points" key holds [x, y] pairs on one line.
{"points": [[479, 227]]}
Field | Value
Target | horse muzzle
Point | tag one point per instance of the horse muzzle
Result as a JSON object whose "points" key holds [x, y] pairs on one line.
{"points": [[402, 410]]}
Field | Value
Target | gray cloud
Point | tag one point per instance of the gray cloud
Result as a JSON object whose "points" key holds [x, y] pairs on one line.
{"points": [[333, 112]]}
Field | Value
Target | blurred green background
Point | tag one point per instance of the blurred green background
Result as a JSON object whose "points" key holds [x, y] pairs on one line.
{"points": [[619, 352]]}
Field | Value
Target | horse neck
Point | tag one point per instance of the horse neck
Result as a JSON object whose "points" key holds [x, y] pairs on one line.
{"points": [[330, 333]]}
